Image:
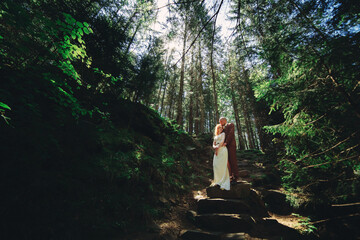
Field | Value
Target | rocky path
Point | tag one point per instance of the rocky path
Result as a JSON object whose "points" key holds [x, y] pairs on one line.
{"points": [[241, 213]]}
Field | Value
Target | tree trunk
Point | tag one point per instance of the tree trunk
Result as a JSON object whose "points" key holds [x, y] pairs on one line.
{"points": [[133, 37], [191, 104], [247, 122], [259, 115], [179, 117], [158, 97], [196, 119], [216, 116], [163, 97], [171, 96], [236, 113], [201, 95]]}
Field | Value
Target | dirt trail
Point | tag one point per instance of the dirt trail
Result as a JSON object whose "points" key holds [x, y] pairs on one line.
{"points": [[255, 208]]}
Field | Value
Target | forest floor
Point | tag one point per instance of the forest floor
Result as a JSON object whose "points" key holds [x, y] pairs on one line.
{"points": [[263, 180]]}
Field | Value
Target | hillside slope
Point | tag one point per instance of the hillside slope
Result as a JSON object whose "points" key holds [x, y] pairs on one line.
{"points": [[64, 178]]}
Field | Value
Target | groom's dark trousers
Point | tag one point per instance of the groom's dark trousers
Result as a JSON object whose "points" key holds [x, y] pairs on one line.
{"points": [[231, 146]]}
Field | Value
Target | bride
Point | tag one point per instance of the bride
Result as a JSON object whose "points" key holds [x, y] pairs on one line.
{"points": [[220, 162]]}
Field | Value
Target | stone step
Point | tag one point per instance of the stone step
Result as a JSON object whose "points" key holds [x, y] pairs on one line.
{"points": [[200, 235], [220, 205], [252, 206], [225, 222], [257, 205], [238, 190], [271, 228], [204, 235], [276, 201], [244, 162], [240, 236]]}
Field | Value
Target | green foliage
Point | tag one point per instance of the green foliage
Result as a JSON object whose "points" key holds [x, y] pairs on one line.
{"points": [[79, 159], [308, 73], [4, 106], [306, 227]]}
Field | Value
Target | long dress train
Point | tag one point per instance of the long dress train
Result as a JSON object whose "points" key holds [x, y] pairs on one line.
{"points": [[220, 164]]}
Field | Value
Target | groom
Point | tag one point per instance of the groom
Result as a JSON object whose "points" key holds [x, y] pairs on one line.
{"points": [[230, 143]]}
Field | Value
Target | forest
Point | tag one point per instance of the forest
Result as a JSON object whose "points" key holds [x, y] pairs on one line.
{"points": [[108, 108]]}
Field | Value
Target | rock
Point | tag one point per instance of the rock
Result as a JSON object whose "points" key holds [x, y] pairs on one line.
{"points": [[163, 200], [258, 179], [257, 205], [218, 205], [238, 236], [276, 202], [200, 235], [244, 173], [225, 222], [243, 163], [265, 228], [267, 178], [173, 201], [239, 190], [190, 215], [153, 228]]}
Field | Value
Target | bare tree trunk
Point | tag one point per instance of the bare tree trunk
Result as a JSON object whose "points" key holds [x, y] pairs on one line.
{"points": [[196, 119], [253, 138], [236, 113], [238, 124], [258, 116], [133, 37], [216, 116], [179, 117], [201, 95], [171, 96], [165, 82], [170, 106], [247, 122], [191, 113], [163, 97], [211, 121], [158, 97]]}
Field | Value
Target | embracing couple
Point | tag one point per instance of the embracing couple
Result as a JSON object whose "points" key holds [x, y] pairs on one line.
{"points": [[224, 162]]}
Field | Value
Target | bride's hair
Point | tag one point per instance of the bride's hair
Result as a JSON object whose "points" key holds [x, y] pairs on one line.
{"points": [[217, 129]]}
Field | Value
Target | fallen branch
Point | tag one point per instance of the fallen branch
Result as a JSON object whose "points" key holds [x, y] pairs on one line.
{"points": [[336, 218], [345, 205], [341, 160]]}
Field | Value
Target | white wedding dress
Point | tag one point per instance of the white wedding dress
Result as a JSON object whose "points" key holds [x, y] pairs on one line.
{"points": [[221, 172]]}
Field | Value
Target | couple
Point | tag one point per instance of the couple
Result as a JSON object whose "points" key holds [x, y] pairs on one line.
{"points": [[224, 163]]}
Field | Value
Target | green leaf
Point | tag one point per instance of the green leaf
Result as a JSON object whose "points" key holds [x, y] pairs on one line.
{"points": [[86, 24], [80, 24], [73, 35], [3, 105], [80, 40], [81, 32], [86, 30]]}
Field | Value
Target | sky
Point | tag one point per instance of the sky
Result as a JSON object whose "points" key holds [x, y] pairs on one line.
{"points": [[222, 21]]}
